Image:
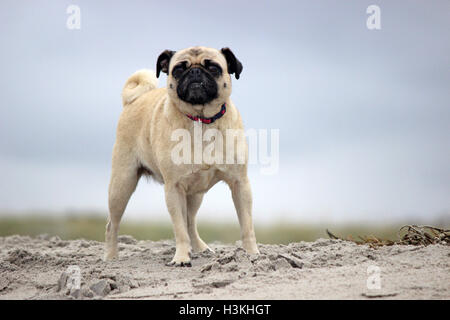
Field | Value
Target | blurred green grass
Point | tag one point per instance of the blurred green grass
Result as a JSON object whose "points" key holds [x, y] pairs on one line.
{"points": [[93, 227]]}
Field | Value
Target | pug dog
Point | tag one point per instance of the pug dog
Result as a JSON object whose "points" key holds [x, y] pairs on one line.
{"points": [[197, 97]]}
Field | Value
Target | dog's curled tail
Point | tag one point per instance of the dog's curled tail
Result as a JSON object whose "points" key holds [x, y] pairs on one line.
{"points": [[139, 83]]}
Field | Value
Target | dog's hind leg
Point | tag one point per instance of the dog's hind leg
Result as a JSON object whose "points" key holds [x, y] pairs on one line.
{"points": [[124, 178], [193, 204]]}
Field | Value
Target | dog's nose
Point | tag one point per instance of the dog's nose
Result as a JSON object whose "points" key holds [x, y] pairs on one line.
{"points": [[195, 73]]}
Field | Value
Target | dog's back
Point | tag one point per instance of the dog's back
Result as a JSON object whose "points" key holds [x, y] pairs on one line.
{"points": [[140, 96]]}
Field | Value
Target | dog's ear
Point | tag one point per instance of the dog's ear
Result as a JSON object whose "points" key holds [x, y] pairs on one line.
{"points": [[163, 62], [234, 65]]}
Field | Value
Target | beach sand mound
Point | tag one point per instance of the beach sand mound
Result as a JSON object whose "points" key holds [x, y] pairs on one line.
{"points": [[46, 267]]}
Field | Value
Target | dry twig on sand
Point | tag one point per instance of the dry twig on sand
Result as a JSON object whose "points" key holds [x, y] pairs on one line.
{"points": [[423, 235], [408, 235]]}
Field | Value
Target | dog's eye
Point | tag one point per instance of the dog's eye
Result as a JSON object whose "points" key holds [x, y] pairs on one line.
{"points": [[178, 70], [213, 69]]}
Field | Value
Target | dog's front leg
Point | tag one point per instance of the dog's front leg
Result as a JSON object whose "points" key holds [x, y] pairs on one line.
{"points": [[242, 198], [176, 204]]}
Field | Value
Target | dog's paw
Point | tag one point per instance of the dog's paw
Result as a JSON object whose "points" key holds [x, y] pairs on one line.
{"points": [[108, 256], [251, 249], [179, 264], [203, 249], [199, 246], [207, 252], [181, 260]]}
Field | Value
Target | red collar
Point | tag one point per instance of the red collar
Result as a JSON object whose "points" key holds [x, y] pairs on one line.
{"points": [[209, 120]]}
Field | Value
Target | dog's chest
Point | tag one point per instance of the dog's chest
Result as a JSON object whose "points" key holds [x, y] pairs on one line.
{"points": [[199, 179]]}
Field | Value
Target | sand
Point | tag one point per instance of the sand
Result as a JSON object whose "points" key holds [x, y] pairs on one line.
{"points": [[43, 268]]}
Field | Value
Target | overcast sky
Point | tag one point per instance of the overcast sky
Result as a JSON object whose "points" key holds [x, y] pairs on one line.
{"points": [[363, 114]]}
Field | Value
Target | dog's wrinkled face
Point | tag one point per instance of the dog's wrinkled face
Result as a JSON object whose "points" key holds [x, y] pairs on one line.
{"points": [[199, 75], [197, 83]]}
